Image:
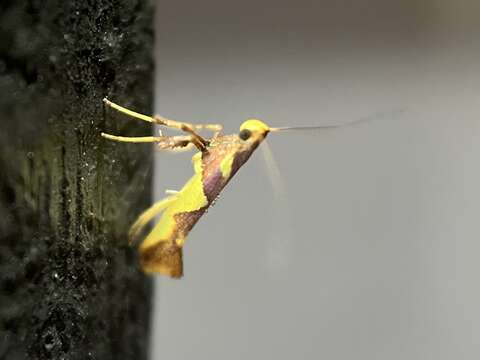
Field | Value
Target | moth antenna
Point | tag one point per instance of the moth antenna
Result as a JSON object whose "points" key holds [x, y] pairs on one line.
{"points": [[274, 175], [279, 243], [376, 116]]}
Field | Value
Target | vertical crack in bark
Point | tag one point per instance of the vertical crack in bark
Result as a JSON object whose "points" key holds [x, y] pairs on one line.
{"points": [[65, 218], [78, 188]]}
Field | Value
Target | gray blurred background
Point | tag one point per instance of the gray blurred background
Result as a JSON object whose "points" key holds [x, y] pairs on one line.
{"points": [[374, 253]]}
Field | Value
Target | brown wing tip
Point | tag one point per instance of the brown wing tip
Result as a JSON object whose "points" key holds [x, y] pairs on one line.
{"points": [[162, 258]]}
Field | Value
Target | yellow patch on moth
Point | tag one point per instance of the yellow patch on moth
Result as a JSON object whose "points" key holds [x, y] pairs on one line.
{"points": [[226, 165], [162, 231], [190, 198], [180, 241], [149, 215], [197, 162], [255, 125]]}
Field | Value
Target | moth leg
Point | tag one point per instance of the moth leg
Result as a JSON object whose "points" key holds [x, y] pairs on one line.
{"points": [[139, 139], [176, 143], [148, 216], [196, 139], [172, 143], [215, 128], [128, 112], [185, 148], [171, 192]]}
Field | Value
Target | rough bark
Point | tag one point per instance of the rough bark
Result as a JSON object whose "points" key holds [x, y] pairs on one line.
{"points": [[70, 287]]}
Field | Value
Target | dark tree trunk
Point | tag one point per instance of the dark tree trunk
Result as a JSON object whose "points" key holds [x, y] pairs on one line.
{"points": [[70, 287]]}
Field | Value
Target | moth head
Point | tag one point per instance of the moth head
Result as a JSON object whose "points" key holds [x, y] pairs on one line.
{"points": [[253, 131]]}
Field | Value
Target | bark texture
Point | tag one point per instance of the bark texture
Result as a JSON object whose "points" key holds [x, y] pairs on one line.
{"points": [[70, 287]]}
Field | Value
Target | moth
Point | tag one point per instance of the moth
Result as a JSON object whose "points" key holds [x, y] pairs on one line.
{"points": [[216, 161]]}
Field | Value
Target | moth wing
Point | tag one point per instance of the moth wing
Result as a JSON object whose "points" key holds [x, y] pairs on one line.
{"points": [[147, 216], [164, 257]]}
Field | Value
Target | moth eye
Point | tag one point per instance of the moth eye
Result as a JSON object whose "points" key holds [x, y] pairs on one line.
{"points": [[244, 134]]}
